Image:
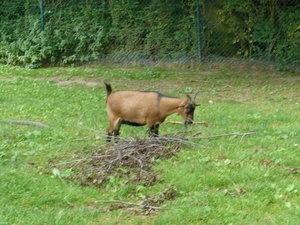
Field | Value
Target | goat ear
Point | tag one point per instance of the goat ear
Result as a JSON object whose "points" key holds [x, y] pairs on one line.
{"points": [[182, 104]]}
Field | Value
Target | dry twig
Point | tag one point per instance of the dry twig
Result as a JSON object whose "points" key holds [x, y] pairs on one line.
{"points": [[142, 205], [148, 205], [177, 122], [231, 134], [26, 122]]}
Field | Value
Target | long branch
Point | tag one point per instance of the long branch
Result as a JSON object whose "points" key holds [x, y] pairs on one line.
{"points": [[230, 134], [26, 122], [129, 204], [177, 122]]}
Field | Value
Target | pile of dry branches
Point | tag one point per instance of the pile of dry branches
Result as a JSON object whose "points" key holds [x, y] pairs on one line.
{"points": [[131, 159]]}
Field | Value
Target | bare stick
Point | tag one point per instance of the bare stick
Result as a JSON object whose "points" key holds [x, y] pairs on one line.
{"points": [[231, 134], [177, 122], [130, 204], [88, 139], [68, 202], [77, 161], [26, 122]]}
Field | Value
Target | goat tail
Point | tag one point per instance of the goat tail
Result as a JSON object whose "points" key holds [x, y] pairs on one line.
{"points": [[108, 88]]}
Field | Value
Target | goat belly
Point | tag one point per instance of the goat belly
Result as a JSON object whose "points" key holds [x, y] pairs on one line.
{"points": [[132, 123]]}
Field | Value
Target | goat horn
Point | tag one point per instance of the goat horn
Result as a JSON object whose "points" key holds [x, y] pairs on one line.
{"points": [[189, 97], [196, 95]]}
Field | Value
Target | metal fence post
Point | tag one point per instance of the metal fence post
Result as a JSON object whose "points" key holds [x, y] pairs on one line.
{"points": [[198, 30], [42, 14]]}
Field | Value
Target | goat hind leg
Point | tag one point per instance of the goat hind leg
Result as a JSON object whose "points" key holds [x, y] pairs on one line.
{"points": [[117, 130], [116, 135], [110, 133]]}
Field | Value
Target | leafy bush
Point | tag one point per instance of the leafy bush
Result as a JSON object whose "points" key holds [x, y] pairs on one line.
{"points": [[261, 28], [77, 31], [64, 40]]}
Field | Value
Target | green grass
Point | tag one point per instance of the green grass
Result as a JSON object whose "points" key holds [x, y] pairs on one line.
{"points": [[253, 179]]}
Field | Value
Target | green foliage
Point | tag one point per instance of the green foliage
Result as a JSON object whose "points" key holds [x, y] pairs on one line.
{"points": [[79, 31], [67, 38], [260, 29], [154, 28]]}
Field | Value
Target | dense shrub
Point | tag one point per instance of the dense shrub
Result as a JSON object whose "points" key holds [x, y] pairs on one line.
{"points": [[82, 30], [264, 28], [75, 35]]}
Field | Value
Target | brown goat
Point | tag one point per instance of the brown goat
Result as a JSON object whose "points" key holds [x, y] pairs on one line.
{"points": [[138, 108]]}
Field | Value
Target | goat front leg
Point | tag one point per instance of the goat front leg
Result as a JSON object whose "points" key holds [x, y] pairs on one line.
{"points": [[113, 130], [153, 131], [108, 137]]}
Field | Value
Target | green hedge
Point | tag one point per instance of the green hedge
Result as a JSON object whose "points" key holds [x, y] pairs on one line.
{"points": [[84, 30]]}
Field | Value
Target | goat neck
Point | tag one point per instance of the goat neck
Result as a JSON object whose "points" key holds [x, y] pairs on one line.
{"points": [[170, 105]]}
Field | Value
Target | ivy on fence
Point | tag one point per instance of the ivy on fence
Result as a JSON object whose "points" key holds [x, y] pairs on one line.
{"points": [[84, 30]]}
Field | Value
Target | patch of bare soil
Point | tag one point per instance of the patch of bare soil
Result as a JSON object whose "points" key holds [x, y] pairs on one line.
{"points": [[68, 81], [117, 84], [291, 79]]}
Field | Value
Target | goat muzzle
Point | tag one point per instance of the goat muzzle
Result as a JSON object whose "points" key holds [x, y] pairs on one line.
{"points": [[186, 122]]}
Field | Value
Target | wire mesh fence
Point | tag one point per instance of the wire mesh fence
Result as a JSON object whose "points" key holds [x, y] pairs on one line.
{"points": [[49, 32]]}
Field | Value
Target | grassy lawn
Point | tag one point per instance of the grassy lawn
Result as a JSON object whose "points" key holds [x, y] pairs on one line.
{"points": [[234, 179]]}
